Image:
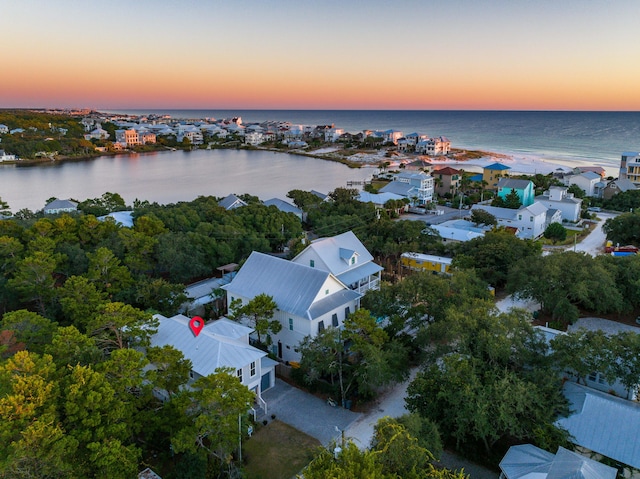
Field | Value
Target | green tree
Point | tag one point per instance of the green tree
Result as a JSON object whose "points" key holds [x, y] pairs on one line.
{"points": [[623, 229], [212, 407], [555, 232], [577, 191], [119, 325], [80, 300], [171, 369], [34, 279], [259, 312], [483, 217], [106, 272], [351, 463], [69, 347], [4, 209], [29, 328]]}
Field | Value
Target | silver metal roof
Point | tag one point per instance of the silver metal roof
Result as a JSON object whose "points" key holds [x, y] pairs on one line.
{"points": [[362, 271], [207, 351], [292, 286], [603, 423]]}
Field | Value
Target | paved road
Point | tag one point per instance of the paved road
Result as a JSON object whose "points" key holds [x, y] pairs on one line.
{"points": [[594, 243]]}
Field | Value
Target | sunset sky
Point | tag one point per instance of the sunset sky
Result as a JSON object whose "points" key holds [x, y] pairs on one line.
{"points": [[332, 54]]}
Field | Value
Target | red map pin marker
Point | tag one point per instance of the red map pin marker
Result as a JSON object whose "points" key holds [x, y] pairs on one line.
{"points": [[196, 324]]}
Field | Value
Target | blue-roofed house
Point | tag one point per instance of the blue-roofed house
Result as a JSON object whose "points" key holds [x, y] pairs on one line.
{"points": [[309, 299], [523, 188], [231, 202], [557, 197], [286, 207], [530, 221], [221, 343], [492, 173], [346, 258]]}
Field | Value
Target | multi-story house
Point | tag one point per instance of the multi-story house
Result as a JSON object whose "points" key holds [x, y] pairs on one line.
{"points": [[556, 197], [630, 167], [523, 188], [219, 344], [346, 258], [434, 146], [529, 221], [447, 180], [491, 174], [308, 299]]}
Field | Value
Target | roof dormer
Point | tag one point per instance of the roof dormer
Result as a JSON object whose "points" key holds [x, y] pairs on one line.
{"points": [[349, 256]]}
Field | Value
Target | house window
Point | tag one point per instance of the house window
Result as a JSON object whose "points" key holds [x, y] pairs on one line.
{"points": [[253, 368], [191, 374], [326, 291], [239, 374], [353, 260], [519, 217], [334, 320], [312, 263], [531, 219], [321, 326], [290, 324], [347, 311]]}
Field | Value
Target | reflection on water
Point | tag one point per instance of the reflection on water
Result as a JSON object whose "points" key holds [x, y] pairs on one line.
{"points": [[172, 176]]}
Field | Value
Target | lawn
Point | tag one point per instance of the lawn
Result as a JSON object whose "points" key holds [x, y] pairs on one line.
{"points": [[277, 451]]}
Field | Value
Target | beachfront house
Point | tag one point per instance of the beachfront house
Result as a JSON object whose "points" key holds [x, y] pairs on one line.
{"points": [[434, 146], [345, 257], [220, 344], [309, 299], [6, 157], [587, 181], [492, 173], [557, 197], [530, 221], [630, 167], [523, 188]]}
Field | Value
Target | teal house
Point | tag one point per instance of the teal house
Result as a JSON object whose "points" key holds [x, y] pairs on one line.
{"points": [[524, 188]]}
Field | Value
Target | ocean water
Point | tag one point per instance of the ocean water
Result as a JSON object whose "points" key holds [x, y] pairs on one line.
{"points": [[597, 138]]}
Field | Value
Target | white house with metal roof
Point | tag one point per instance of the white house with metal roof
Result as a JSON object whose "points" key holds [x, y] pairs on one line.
{"points": [[346, 258], [530, 221], [285, 207], [309, 299], [587, 181], [527, 461], [220, 344], [231, 202], [557, 197]]}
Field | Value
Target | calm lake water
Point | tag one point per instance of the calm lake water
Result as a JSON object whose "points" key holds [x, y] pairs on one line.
{"points": [[173, 176]]}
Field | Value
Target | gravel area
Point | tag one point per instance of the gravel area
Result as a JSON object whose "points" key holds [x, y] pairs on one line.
{"points": [[606, 325]]}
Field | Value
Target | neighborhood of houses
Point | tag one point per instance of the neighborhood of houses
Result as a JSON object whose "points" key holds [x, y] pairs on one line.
{"points": [[324, 283]]}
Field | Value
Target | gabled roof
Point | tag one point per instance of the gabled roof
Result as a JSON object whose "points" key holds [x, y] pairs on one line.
{"points": [[283, 206], [603, 423], [292, 286], [590, 175], [624, 184], [335, 252], [216, 346], [231, 201], [497, 166], [514, 184], [413, 175], [397, 188], [536, 209]]}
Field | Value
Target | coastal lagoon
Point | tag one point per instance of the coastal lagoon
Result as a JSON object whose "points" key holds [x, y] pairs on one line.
{"points": [[173, 176]]}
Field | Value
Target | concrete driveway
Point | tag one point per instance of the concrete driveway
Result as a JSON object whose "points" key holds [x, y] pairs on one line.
{"points": [[307, 413]]}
